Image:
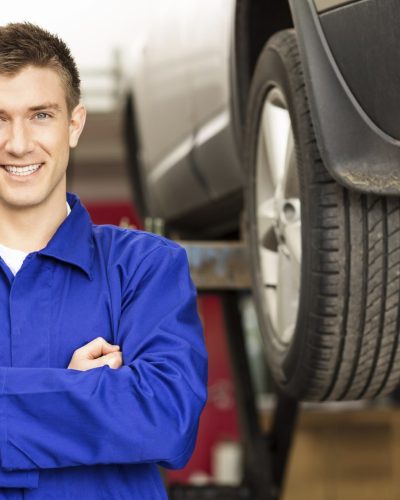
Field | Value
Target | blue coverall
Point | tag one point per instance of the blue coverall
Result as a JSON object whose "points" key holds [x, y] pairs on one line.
{"points": [[98, 434]]}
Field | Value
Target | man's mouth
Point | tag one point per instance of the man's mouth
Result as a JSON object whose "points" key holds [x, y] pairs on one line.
{"points": [[22, 170]]}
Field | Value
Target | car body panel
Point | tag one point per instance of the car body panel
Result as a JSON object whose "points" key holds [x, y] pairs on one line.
{"points": [[180, 81], [157, 76], [180, 78], [215, 147]]}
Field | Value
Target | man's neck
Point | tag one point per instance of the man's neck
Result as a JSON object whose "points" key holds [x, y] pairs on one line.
{"points": [[31, 228]]}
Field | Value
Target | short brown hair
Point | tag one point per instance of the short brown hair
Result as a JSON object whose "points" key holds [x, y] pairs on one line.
{"points": [[25, 44]]}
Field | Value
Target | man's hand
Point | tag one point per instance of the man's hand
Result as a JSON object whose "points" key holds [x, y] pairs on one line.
{"points": [[96, 353]]}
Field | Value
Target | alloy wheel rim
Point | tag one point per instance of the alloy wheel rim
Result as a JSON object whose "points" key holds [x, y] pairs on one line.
{"points": [[278, 215]]}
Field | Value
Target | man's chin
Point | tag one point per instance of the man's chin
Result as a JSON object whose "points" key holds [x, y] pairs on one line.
{"points": [[20, 203]]}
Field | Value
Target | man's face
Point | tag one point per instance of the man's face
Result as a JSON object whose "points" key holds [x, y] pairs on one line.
{"points": [[36, 132]]}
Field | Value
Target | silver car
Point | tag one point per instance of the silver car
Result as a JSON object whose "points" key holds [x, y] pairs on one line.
{"points": [[226, 102]]}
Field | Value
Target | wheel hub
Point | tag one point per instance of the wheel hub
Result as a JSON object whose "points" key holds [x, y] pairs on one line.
{"points": [[278, 216]]}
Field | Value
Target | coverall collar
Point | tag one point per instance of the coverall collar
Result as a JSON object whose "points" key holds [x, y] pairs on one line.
{"points": [[73, 240]]}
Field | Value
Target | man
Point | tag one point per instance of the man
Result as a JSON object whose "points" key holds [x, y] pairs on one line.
{"points": [[102, 360]]}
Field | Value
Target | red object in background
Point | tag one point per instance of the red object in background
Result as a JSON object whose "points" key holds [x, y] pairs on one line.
{"points": [[119, 213], [219, 420]]}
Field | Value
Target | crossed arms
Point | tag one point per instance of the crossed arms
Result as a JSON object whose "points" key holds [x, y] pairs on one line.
{"points": [[148, 408]]}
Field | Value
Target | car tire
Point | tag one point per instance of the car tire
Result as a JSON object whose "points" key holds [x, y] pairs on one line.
{"points": [[325, 260]]}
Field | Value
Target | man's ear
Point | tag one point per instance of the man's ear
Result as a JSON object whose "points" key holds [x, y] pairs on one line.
{"points": [[76, 124]]}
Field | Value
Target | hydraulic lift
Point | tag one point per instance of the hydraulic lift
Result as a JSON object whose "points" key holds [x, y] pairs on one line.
{"points": [[222, 267]]}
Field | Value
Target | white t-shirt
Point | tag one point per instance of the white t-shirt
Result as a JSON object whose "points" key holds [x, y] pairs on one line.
{"points": [[15, 258]]}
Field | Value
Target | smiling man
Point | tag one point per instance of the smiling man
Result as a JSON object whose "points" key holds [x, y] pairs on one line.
{"points": [[37, 128], [102, 359]]}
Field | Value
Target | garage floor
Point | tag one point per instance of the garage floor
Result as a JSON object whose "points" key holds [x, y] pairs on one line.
{"points": [[346, 455]]}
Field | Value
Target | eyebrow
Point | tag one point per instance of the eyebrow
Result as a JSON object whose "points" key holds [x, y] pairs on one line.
{"points": [[46, 105], [39, 107]]}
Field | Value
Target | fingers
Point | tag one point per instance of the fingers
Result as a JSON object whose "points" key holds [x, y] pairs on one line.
{"points": [[113, 360], [96, 348], [96, 353]]}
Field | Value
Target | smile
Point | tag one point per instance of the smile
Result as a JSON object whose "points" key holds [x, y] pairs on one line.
{"points": [[22, 170]]}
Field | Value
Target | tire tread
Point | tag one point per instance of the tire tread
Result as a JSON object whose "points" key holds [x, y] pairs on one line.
{"points": [[348, 326]]}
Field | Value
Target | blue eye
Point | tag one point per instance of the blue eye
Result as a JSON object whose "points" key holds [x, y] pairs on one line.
{"points": [[42, 116]]}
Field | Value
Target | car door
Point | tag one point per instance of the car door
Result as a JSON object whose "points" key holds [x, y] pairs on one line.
{"points": [[165, 112], [209, 32]]}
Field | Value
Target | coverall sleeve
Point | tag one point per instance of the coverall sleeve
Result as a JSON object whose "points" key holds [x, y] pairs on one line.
{"points": [[145, 411]]}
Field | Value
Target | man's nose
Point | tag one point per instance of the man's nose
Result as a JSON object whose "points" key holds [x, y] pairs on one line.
{"points": [[19, 140]]}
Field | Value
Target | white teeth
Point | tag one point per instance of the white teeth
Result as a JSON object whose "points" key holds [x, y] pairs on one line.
{"points": [[26, 170]]}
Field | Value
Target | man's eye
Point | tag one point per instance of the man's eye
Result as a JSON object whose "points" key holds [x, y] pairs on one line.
{"points": [[42, 116]]}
